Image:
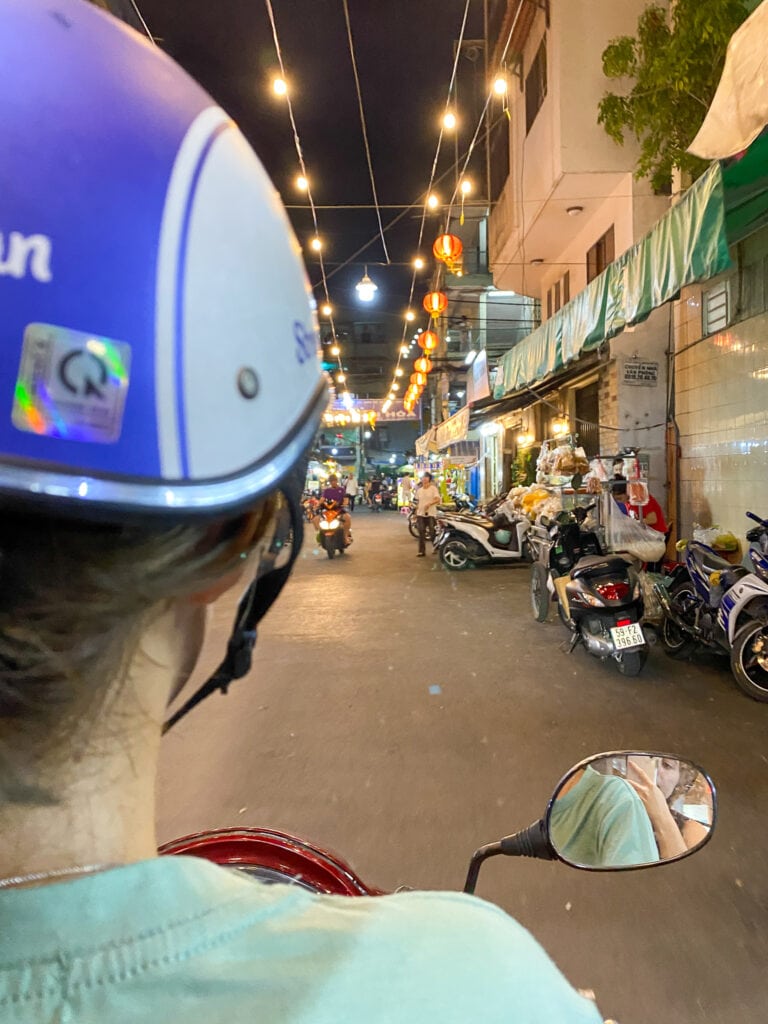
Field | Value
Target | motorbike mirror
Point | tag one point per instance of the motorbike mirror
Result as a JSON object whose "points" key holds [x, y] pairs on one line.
{"points": [[681, 545], [617, 811], [630, 809]]}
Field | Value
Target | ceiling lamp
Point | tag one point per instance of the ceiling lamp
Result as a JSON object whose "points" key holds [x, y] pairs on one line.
{"points": [[428, 340], [574, 211], [448, 249], [423, 365], [435, 303], [365, 288]]}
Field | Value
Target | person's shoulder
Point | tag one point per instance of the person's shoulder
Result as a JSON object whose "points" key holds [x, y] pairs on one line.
{"points": [[468, 958]]}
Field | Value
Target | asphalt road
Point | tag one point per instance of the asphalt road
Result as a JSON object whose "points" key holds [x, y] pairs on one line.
{"points": [[403, 715]]}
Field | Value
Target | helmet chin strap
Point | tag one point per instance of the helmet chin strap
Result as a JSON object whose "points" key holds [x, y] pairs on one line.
{"points": [[254, 605]]}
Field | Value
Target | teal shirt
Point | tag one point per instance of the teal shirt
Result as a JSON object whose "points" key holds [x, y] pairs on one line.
{"points": [[180, 940], [602, 822]]}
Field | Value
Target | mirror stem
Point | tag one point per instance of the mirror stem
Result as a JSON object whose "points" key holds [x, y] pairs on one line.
{"points": [[529, 842], [491, 850]]}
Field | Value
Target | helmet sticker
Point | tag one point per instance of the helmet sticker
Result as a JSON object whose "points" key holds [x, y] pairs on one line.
{"points": [[71, 384]]}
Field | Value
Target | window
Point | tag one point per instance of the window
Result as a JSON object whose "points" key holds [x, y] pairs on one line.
{"points": [[715, 308], [549, 304], [556, 302], [535, 85], [600, 255], [566, 287]]}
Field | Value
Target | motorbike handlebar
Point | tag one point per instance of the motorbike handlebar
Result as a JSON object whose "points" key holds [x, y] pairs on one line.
{"points": [[757, 519]]}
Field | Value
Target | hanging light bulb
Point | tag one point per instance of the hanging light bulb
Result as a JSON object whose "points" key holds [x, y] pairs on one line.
{"points": [[418, 263], [399, 371], [316, 244], [302, 183], [326, 309], [395, 386], [449, 121], [500, 85], [365, 288], [335, 350], [279, 86], [340, 378], [404, 350], [410, 316], [433, 201], [466, 187]]}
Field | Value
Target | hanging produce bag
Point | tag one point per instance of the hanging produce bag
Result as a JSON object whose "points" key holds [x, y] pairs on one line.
{"points": [[623, 533]]}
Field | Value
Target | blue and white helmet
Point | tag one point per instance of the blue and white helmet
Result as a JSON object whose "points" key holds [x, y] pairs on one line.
{"points": [[158, 343]]}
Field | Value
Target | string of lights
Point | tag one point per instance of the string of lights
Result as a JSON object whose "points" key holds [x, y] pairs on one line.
{"points": [[280, 86], [447, 248], [430, 203]]}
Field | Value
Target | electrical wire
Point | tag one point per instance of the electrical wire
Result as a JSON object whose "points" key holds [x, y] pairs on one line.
{"points": [[302, 165], [140, 16], [364, 127]]}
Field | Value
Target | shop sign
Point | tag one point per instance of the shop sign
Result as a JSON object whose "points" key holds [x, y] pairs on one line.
{"points": [[641, 373], [453, 429], [478, 385], [395, 413]]}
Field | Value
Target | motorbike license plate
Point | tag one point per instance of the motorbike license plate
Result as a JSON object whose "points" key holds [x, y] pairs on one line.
{"points": [[625, 637]]}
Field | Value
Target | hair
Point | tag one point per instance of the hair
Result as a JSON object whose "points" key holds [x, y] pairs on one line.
{"points": [[333, 479], [428, 476], [619, 487], [75, 598]]}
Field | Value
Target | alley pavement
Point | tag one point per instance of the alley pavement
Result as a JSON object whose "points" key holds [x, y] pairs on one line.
{"points": [[403, 715]]}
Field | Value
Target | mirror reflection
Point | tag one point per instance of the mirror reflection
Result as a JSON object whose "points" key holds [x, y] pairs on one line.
{"points": [[631, 809]]}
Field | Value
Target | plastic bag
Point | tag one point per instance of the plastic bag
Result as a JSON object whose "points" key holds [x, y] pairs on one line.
{"points": [[623, 533], [706, 535]]}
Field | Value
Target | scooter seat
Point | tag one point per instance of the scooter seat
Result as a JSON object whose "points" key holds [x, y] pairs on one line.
{"points": [[710, 562], [598, 565]]}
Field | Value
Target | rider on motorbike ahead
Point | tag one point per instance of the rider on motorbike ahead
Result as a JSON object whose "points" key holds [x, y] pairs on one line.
{"points": [[160, 387]]}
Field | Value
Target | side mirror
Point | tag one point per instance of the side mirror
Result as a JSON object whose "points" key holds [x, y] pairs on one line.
{"points": [[615, 812]]}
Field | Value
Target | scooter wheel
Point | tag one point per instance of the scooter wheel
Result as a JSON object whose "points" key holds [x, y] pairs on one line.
{"points": [[677, 643], [330, 552], [455, 555], [746, 661], [539, 592], [630, 663]]}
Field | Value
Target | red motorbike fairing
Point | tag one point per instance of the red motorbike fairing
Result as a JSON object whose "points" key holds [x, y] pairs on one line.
{"points": [[273, 857]]}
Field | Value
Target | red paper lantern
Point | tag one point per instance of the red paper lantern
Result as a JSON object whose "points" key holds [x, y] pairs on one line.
{"points": [[419, 379], [422, 365], [435, 303], [428, 340], [448, 248]]}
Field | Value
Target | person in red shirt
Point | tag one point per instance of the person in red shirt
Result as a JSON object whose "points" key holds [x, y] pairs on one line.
{"points": [[652, 514]]}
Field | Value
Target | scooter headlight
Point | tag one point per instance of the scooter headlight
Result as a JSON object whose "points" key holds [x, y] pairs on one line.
{"points": [[325, 525]]}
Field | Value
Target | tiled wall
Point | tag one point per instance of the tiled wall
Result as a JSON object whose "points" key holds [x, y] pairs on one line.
{"points": [[722, 414]]}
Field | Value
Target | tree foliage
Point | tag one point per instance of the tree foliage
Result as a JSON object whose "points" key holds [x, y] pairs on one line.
{"points": [[671, 69]]}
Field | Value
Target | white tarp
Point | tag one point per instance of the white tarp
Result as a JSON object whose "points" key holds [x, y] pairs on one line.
{"points": [[739, 111]]}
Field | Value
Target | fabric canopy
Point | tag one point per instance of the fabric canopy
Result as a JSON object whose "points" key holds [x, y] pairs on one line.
{"points": [[739, 110], [426, 443], [689, 243], [453, 429]]}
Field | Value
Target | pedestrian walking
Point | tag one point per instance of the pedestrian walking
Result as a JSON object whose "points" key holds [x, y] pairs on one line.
{"points": [[351, 490], [428, 498]]}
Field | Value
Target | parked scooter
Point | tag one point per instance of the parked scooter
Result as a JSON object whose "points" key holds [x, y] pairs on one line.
{"points": [[712, 604], [598, 596], [575, 831], [498, 534], [331, 529]]}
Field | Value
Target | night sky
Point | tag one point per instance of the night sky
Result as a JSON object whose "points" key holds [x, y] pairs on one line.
{"points": [[404, 51]]}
